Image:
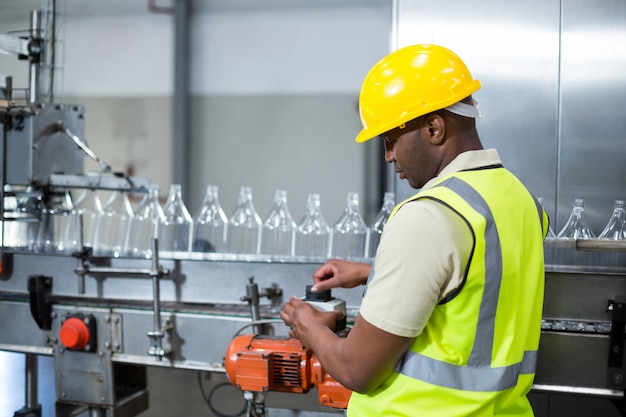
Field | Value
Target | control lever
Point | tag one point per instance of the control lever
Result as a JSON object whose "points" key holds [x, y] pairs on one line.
{"points": [[253, 296]]}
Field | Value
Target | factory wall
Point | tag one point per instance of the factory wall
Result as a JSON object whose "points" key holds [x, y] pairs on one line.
{"points": [[553, 89], [273, 99]]}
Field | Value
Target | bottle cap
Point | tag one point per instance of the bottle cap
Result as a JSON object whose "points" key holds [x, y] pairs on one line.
{"points": [[317, 295]]}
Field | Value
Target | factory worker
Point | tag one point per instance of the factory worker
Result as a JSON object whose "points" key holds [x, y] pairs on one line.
{"points": [[450, 319]]}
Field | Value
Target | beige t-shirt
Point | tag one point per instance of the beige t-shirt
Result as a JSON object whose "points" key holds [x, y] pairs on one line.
{"points": [[421, 257]]}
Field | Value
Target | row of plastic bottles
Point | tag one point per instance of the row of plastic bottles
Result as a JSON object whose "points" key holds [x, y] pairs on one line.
{"points": [[244, 232], [116, 229], [577, 226], [560, 249]]}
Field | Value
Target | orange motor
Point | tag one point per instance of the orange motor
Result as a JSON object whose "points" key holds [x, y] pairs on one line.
{"points": [[261, 363]]}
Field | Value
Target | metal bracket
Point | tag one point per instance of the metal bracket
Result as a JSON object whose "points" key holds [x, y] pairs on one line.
{"points": [[39, 287], [156, 336], [253, 297], [615, 373], [29, 412], [158, 331]]}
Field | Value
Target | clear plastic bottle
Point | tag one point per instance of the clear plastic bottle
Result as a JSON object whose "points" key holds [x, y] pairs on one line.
{"points": [[88, 207], [376, 229], [576, 227], [210, 224], [350, 231], [277, 235], [176, 227], [615, 229], [313, 233], [244, 226], [67, 225], [144, 225], [56, 217], [111, 234]]}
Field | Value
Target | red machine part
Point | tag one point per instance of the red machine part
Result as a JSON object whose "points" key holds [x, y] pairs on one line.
{"points": [[260, 363], [74, 334]]}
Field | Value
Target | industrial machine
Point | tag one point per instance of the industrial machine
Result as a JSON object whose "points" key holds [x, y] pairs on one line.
{"points": [[258, 364], [105, 319]]}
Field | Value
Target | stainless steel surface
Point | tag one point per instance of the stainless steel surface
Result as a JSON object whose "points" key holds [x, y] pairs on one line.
{"points": [[513, 49], [609, 245], [201, 300], [552, 94], [593, 96]]}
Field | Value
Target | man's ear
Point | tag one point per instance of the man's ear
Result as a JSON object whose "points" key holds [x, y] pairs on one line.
{"points": [[436, 128]]}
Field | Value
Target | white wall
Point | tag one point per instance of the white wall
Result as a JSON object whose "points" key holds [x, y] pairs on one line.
{"points": [[325, 51], [125, 65]]}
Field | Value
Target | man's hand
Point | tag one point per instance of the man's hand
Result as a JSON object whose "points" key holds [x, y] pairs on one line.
{"points": [[340, 273], [361, 361], [303, 318]]}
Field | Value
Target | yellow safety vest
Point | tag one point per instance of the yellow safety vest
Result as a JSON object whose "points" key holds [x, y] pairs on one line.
{"points": [[477, 354]]}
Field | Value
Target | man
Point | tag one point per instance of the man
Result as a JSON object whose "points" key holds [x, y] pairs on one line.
{"points": [[449, 324]]}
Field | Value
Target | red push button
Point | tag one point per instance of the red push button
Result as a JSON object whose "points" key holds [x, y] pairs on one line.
{"points": [[74, 334]]}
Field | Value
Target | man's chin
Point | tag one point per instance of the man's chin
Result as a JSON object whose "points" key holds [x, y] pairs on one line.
{"points": [[414, 185]]}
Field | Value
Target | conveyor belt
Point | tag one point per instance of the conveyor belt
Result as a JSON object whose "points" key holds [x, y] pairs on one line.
{"points": [[234, 309]]}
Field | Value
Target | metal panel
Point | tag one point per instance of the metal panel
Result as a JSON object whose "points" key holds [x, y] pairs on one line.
{"points": [[36, 147], [204, 295], [560, 351], [512, 48], [20, 332], [190, 281], [553, 91], [593, 89]]}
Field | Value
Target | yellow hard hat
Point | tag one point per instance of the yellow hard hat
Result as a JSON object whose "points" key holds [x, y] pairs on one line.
{"points": [[409, 83]]}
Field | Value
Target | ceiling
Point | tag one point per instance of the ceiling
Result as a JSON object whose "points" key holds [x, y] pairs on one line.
{"points": [[19, 10]]}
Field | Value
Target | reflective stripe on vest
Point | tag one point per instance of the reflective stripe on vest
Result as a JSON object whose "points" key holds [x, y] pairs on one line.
{"points": [[478, 375]]}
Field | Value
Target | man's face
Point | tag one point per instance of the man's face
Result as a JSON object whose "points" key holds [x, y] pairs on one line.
{"points": [[413, 156]]}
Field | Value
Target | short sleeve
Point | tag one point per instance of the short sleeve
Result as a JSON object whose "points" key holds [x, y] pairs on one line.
{"points": [[422, 256]]}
